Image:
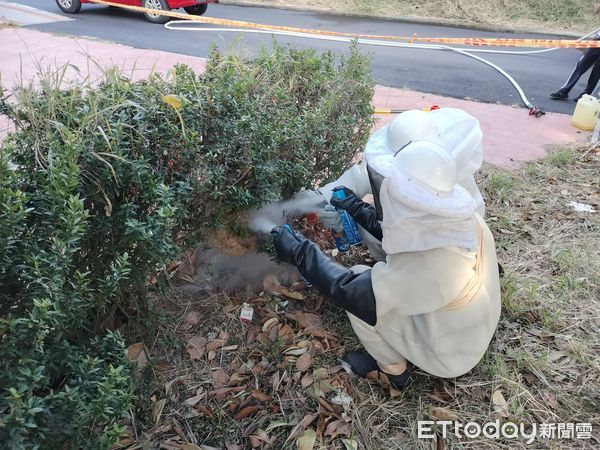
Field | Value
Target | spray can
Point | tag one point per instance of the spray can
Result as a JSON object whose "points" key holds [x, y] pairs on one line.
{"points": [[350, 228], [331, 220]]}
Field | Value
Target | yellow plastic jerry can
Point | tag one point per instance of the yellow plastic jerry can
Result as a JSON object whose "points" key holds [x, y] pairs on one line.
{"points": [[586, 112]]}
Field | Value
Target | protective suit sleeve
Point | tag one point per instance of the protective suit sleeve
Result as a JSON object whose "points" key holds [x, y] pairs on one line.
{"points": [[364, 214], [349, 290], [355, 178]]}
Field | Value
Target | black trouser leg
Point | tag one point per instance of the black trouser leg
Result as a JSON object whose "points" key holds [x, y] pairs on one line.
{"points": [[594, 78], [585, 62]]}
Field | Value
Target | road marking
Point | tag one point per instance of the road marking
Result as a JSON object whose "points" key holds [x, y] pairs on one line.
{"points": [[17, 14]]}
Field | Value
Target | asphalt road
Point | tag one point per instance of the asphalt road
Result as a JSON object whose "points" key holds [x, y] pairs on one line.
{"points": [[430, 71]]}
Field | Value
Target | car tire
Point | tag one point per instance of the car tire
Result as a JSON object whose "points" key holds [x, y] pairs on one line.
{"points": [[196, 10], [156, 4], [69, 6]]}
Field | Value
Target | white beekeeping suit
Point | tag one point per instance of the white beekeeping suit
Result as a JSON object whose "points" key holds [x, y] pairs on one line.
{"points": [[437, 293], [434, 299]]}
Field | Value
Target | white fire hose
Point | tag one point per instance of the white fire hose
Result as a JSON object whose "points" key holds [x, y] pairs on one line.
{"points": [[184, 25]]}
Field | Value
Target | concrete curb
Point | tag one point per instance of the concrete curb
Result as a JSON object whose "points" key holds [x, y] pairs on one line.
{"points": [[418, 20]]}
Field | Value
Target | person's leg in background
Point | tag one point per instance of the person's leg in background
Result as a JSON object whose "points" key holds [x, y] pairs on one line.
{"points": [[588, 59], [592, 80]]}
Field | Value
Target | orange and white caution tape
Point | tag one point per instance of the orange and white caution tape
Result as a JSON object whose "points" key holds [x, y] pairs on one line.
{"points": [[487, 42]]}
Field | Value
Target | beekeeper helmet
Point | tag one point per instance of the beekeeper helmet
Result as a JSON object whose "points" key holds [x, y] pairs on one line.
{"points": [[424, 178], [424, 207], [413, 125], [429, 164]]}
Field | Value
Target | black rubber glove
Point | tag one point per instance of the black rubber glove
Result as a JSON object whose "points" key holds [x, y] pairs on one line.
{"points": [[351, 291], [285, 243], [364, 214]]}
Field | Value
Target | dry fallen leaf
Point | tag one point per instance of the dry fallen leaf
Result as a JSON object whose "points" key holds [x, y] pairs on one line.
{"points": [[307, 440], [337, 428], [321, 373], [295, 351], [285, 330], [306, 380], [308, 321], [190, 447], [192, 318], [205, 410], [304, 362], [255, 441], [215, 345], [269, 323], [219, 378], [305, 422], [260, 396], [138, 353], [297, 286], [245, 412], [442, 414], [394, 393], [559, 357], [196, 347], [224, 335], [157, 408], [219, 394], [251, 334], [350, 444], [236, 378], [170, 445], [500, 405], [550, 400], [293, 295], [192, 401]]}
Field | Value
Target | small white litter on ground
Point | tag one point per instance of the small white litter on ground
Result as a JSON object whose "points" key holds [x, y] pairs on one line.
{"points": [[581, 207]]}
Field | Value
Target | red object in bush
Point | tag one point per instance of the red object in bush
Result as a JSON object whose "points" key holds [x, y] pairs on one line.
{"points": [[312, 217]]}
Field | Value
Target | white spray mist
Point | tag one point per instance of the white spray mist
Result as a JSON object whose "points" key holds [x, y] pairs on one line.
{"points": [[276, 213]]}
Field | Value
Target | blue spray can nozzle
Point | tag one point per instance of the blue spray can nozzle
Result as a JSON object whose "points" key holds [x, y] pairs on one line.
{"points": [[339, 194], [350, 229]]}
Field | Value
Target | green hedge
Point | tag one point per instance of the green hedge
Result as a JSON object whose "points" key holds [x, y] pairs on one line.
{"points": [[101, 185]]}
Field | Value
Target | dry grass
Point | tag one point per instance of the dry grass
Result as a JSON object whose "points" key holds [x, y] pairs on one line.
{"points": [[544, 359], [554, 15]]}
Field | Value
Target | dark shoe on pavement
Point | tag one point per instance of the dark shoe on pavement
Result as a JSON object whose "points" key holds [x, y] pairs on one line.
{"points": [[362, 364], [559, 95], [576, 99]]}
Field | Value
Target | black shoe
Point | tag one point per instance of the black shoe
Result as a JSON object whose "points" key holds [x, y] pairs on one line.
{"points": [[576, 99], [559, 95], [362, 364]]}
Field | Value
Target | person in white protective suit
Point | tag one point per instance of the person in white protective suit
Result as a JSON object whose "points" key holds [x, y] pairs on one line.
{"points": [[453, 129], [435, 299]]}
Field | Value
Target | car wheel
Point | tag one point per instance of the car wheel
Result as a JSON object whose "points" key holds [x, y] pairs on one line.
{"points": [[156, 4], [69, 6], [196, 10]]}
